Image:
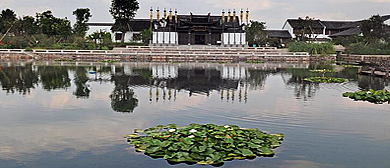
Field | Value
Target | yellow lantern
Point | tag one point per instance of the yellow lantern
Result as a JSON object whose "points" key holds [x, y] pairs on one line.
{"points": [[158, 15], [247, 16], [175, 15], [170, 16], [228, 19], [234, 16], [241, 16], [151, 14], [223, 16], [165, 14]]}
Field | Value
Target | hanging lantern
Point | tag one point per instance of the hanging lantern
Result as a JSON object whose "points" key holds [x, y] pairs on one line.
{"points": [[175, 15], [229, 14], [234, 15], [165, 14], [223, 16], [158, 15], [170, 16], [247, 16], [241, 16], [151, 14]]}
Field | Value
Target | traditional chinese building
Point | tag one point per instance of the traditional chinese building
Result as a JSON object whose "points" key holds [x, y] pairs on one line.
{"points": [[199, 29]]}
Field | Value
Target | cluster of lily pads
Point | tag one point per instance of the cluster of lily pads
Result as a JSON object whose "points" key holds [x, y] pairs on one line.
{"points": [[110, 61], [254, 62], [377, 97], [322, 70], [325, 80], [206, 144]]}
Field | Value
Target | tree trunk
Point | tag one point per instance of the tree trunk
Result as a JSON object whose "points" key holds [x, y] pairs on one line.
{"points": [[123, 37]]}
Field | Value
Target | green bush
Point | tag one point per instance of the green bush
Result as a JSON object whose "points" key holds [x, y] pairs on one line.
{"points": [[378, 48], [312, 48]]}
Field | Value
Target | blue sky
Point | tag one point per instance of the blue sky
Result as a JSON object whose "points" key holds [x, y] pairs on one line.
{"points": [[273, 12]]}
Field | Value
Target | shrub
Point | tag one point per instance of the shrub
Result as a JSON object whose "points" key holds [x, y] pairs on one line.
{"points": [[312, 48], [378, 48]]}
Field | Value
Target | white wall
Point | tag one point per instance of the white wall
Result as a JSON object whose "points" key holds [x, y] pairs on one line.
{"points": [[288, 27], [128, 36], [228, 38], [165, 38]]}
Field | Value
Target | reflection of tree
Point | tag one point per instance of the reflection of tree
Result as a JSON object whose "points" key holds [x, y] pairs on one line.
{"points": [[20, 79], [257, 78], [54, 77], [302, 88], [80, 80], [123, 98]]}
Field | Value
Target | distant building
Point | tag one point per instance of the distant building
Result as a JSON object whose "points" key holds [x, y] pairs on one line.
{"points": [[186, 30], [325, 30], [282, 35], [199, 30]]}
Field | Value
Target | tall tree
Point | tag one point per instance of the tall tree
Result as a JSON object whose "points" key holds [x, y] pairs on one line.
{"points": [[80, 28], [7, 17], [255, 33], [374, 28], [52, 26], [123, 11]]}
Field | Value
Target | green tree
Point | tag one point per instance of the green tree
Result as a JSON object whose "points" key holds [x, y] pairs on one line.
{"points": [[7, 17], [255, 33], [52, 26], [374, 28], [306, 25], [123, 11], [80, 28], [145, 36]]}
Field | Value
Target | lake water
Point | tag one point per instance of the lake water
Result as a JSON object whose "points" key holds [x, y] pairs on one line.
{"points": [[63, 116]]}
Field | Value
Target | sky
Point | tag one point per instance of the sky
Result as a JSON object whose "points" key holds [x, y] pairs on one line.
{"points": [[273, 12]]}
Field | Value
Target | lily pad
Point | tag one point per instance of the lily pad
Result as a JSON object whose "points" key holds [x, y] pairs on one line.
{"points": [[322, 70], [377, 97], [204, 144], [326, 80]]}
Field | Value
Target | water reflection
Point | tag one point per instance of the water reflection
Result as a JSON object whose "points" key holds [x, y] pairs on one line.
{"points": [[54, 77], [164, 81], [80, 80], [18, 79], [122, 97], [77, 128]]}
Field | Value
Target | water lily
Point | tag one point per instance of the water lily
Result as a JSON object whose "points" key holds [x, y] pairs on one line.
{"points": [[193, 130], [226, 126], [191, 136], [368, 92], [172, 130]]}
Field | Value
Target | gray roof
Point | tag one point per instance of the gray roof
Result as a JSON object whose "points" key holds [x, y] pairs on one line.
{"points": [[278, 33], [348, 32]]}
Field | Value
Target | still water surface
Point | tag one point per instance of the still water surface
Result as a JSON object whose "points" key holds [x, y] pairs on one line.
{"points": [[63, 116]]}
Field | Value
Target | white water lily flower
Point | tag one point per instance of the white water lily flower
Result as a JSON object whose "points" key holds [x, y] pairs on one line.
{"points": [[172, 130], [226, 126], [191, 136], [193, 130], [368, 92]]}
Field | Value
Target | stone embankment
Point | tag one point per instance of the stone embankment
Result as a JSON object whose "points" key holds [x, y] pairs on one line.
{"points": [[170, 53]]}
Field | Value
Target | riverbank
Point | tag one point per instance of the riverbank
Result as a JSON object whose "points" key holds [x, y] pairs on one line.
{"points": [[168, 53]]}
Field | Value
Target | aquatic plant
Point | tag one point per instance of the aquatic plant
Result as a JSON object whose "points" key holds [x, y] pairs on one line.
{"points": [[325, 80], [203, 144], [350, 66], [322, 70], [377, 97], [254, 62], [110, 61]]}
